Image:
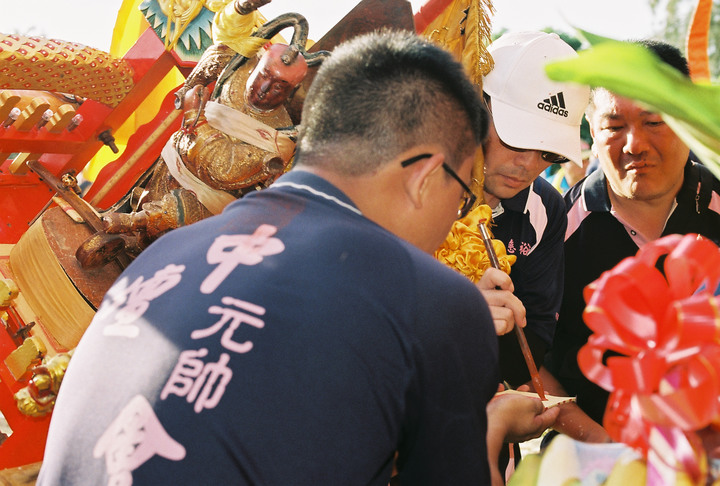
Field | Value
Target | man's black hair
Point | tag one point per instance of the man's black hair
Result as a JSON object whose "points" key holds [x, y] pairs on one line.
{"points": [[380, 94], [668, 53]]}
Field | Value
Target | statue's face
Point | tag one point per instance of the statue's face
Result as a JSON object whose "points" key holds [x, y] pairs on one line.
{"points": [[272, 82], [266, 90]]}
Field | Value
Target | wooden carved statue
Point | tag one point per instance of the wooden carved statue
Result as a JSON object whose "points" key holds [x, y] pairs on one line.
{"points": [[237, 139]]}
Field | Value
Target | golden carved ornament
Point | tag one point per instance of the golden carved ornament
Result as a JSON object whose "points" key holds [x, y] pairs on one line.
{"points": [[35, 63], [38, 398], [179, 14]]}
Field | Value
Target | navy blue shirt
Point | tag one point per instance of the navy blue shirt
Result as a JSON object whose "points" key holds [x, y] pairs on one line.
{"points": [[289, 340], [596, 241], [532, 227]]}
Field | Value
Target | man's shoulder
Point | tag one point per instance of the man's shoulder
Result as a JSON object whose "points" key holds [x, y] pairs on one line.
{"points": [[545, 190], [573, 194], [588, 209], [590, 191], [539, 194], [430, 272], [708, 179], [551, 198]]}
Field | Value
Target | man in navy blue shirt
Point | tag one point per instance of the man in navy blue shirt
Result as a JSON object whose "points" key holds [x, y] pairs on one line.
{"points": [[306, 335]]}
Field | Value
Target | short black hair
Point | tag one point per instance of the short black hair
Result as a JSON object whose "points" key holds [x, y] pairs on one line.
{"points": [[668, 53], [382, 93]]}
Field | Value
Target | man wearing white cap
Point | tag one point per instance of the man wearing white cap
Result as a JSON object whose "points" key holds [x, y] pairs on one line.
{"points": [[535, 122]]}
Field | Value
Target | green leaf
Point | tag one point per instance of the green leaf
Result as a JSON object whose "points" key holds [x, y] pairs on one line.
{"points": [[630, 70], [593, 39]]}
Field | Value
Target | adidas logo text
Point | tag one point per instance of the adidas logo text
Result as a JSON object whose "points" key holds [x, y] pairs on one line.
{"points": [[555, 104]]}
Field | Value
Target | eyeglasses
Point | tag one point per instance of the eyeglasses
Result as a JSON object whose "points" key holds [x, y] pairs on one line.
{"points": [[550, 157], [468, 197]]}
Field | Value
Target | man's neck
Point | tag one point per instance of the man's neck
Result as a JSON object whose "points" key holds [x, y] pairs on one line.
{"points": [[647, 218], [491, 200]]}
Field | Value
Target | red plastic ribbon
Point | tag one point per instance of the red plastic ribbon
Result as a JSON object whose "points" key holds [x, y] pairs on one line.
{"points": [[663, 328]]}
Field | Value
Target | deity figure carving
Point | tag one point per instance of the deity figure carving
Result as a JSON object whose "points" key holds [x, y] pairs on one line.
{"points": [[233, 140]]}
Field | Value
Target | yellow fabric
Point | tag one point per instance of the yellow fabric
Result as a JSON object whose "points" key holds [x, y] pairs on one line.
{"points": [[234, 30], [176, 25], [464, 249], [464, 29]]}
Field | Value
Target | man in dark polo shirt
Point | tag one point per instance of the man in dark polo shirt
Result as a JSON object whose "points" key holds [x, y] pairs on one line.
{"points": [[648, 187]]}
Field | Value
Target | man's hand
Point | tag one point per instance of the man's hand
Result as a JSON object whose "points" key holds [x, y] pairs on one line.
{"points": [[520, 417], [514, 418], [506, 309]]}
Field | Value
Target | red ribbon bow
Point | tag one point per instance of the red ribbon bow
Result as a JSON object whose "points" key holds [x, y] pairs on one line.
{"points": [[663, 328]]}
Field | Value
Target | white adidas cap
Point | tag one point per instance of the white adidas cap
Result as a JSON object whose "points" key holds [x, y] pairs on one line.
{"points": [[529, 110]]}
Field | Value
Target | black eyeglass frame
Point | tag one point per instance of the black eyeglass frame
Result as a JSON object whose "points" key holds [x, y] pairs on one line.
{"points": [[468, 199]]}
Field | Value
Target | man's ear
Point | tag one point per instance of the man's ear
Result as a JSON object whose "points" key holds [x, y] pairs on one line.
{"points": [[590, 126], [418, 178], [593, 147]]}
